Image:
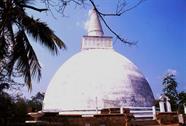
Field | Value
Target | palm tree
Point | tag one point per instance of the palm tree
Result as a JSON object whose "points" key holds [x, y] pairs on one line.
{"points": [[15, 47]]}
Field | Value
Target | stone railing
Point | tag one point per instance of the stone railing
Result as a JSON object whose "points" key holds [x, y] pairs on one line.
{"points": [[144, 112]]}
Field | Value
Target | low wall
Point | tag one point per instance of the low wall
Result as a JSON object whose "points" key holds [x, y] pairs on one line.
{"points": [[184, 118], [54, 119], [167, 117]]}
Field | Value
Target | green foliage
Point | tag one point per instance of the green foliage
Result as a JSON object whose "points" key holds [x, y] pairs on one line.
{"points": [[20, 110], [6, 109], [182, 97], [181, 102], [177, 99], [14, 111], [16, 52], [36, 102], [170, 89]]}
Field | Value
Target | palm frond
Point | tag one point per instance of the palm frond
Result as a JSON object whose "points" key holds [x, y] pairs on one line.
{"points": [[40, 31], [20, 60], [21, 57], [25, 60], [23, 2], [33, 61], [2, 47], [1, 4]]}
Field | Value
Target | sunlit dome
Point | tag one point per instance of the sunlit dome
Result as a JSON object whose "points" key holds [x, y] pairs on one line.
{"points": [[97, 77]]}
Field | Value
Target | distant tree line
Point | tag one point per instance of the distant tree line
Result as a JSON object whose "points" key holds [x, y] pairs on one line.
{"points": [[177, 98], [14, 109]]}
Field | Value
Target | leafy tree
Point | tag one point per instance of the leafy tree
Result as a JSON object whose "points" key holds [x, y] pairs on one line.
{"points": [[177, 99], [182, 97], [13, 111], [6, 107], [181, 101], [170, 89], [17, 57], [20, 111], [36, 102]]}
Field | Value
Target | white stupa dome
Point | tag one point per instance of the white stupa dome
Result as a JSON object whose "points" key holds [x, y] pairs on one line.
{"points": [[95, 78]]}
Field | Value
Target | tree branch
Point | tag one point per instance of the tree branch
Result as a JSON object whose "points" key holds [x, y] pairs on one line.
{"points": [[110, 29], [133, 6], [34, 8], [120, 12], [120, 9]]}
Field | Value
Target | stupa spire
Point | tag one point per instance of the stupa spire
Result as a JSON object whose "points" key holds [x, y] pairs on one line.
{"points": [[94, 27]]}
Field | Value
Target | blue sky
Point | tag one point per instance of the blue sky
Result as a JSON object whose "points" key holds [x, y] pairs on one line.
{"points": [[159, 26]]}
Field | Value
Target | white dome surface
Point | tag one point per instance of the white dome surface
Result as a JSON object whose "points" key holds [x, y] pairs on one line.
{"points": [[97, 78]]}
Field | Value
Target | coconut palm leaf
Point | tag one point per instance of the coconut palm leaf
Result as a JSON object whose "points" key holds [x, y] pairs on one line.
{"points": [[24, 59], [2, 47], [23, 2], [40, 31], [15, 27]]}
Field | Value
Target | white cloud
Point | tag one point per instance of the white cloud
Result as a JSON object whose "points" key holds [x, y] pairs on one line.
{"points": [[172, 71]]}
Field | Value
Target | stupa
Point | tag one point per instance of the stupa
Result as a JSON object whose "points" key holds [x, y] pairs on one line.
{"points": [[96, 78]]}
